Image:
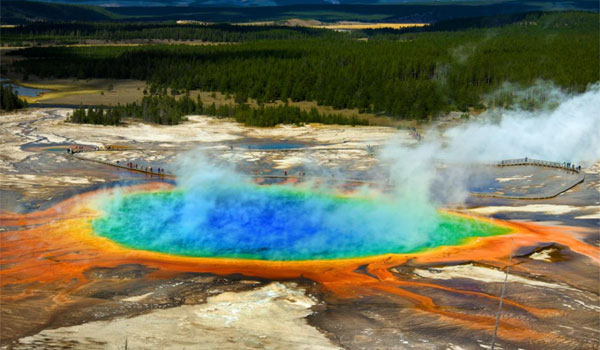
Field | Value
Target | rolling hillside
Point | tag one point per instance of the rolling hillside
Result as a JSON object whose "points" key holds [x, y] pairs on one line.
{"points": [[16, 12]]}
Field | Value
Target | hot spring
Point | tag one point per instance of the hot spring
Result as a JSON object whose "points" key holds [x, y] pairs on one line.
{"points": [[278, 223]]}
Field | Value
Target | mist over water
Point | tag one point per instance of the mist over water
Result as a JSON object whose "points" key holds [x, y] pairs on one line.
{"points": [[276, 223], [569, 132], [217, 212]]}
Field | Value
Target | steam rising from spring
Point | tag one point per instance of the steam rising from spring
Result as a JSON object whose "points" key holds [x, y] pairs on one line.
{"points": [[218, 212], [568, 133]]}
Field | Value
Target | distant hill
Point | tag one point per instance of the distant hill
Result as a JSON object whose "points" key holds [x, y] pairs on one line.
{"points": [[15, 12], [249, 3]]}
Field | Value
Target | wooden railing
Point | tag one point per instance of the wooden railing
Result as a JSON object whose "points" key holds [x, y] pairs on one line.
{"points": [[528, 161]]}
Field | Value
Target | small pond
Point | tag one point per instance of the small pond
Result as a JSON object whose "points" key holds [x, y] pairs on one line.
{"points": [[25, 91]]}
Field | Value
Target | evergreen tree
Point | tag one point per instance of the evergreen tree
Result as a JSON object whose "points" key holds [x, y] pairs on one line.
{"points": [[9, 100]]}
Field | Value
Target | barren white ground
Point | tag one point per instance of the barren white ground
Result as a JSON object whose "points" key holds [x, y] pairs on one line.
{"points": [[336, 145], [271, 317]]}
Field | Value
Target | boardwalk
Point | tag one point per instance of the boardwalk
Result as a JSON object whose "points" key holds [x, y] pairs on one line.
{"points": [[124, 166], [568, 167], [537, 162], [504, 163]]}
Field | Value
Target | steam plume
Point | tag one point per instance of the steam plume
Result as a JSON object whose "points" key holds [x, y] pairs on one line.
{"points": [[568, 133]]}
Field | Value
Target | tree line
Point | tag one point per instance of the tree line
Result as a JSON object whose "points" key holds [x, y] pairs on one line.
{"points": [[265, 116], [404, 75], [98, 116], [158, 109], [169, 110], [69, 32]]}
